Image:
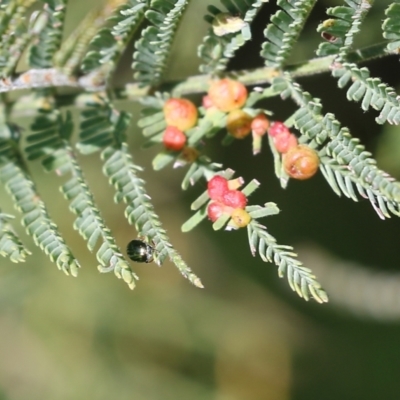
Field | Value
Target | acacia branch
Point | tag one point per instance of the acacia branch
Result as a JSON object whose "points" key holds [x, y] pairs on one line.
{"points": [[42, 78]]}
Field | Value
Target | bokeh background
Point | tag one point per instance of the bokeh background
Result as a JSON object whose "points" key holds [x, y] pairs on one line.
{"points": [[246, 336]]}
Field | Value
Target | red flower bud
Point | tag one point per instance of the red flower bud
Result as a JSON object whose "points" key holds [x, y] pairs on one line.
{"points": [[181, 113], [227, 94], [301, 162], [173, 138]]}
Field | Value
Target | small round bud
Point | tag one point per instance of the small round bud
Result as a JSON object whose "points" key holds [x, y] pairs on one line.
{"points": [[207, 102], [189, 154], [283, 141], [240, 217], [234, 199], [277, 128], [217, 186], [227, 94], [214, 211], [301, 162], [260, 125], [173, 138], [238, 124], [181, 113]]}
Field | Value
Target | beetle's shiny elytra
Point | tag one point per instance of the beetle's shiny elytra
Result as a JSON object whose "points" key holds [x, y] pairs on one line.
{"points": [[140, 251]]}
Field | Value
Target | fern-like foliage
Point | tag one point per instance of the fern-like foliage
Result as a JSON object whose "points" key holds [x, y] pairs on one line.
{"points": [[372, 92], [95, 49], [74, 48], [108, 44], [345, 162], [300, 279], [284, 29], [14, 35], [342, 27], [10, 244], [103, 127], [153, 48], [217, 50], [391, 25], [202, 167], [139, 211], [49, 40], [50, 140], [35, 217]]}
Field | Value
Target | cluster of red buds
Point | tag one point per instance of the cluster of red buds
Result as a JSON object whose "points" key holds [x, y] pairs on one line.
{"points": [[227, 95], [226, 199]]}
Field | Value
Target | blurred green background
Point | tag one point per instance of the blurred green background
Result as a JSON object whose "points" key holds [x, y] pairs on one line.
{"points": [[246, 336]]}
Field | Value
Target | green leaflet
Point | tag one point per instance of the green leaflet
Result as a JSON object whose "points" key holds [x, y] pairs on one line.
{"points": [[390, 26], [41, 54], [217, 49], [108, 44], [301, 279], [35, 217], [153, 48], [339, 31], [283, 30], [122, 173], [50, 142], [10, 244], [108, 132]]}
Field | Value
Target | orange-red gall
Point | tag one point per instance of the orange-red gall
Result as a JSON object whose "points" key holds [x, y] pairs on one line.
{"points": [[207, 102], [277, 128], [234, 199], [214, 211], [238, 124], [173, 138], [301, 162], [181, 113], [240, 217], [217, 186], [283, 142], [260, 125], [227, 94]]}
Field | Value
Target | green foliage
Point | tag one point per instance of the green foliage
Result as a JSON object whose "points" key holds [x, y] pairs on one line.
{"points": [[14, 35], [283, 31], [345, 162], [372, 92], [42, 53], [341, 29], [50, 140], [86, 60], [153, 48], [103, 127], [10, 244], [108, 44], [129, 187], [35, 217], [217, 50], [390, 26], [300, 279]]}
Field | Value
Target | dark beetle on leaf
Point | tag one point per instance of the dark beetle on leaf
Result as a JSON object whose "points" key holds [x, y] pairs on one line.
{"points": [[140, 251]]}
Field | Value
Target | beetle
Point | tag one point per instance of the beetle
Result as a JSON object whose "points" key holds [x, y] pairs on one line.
{"points": [[140, 251]]}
